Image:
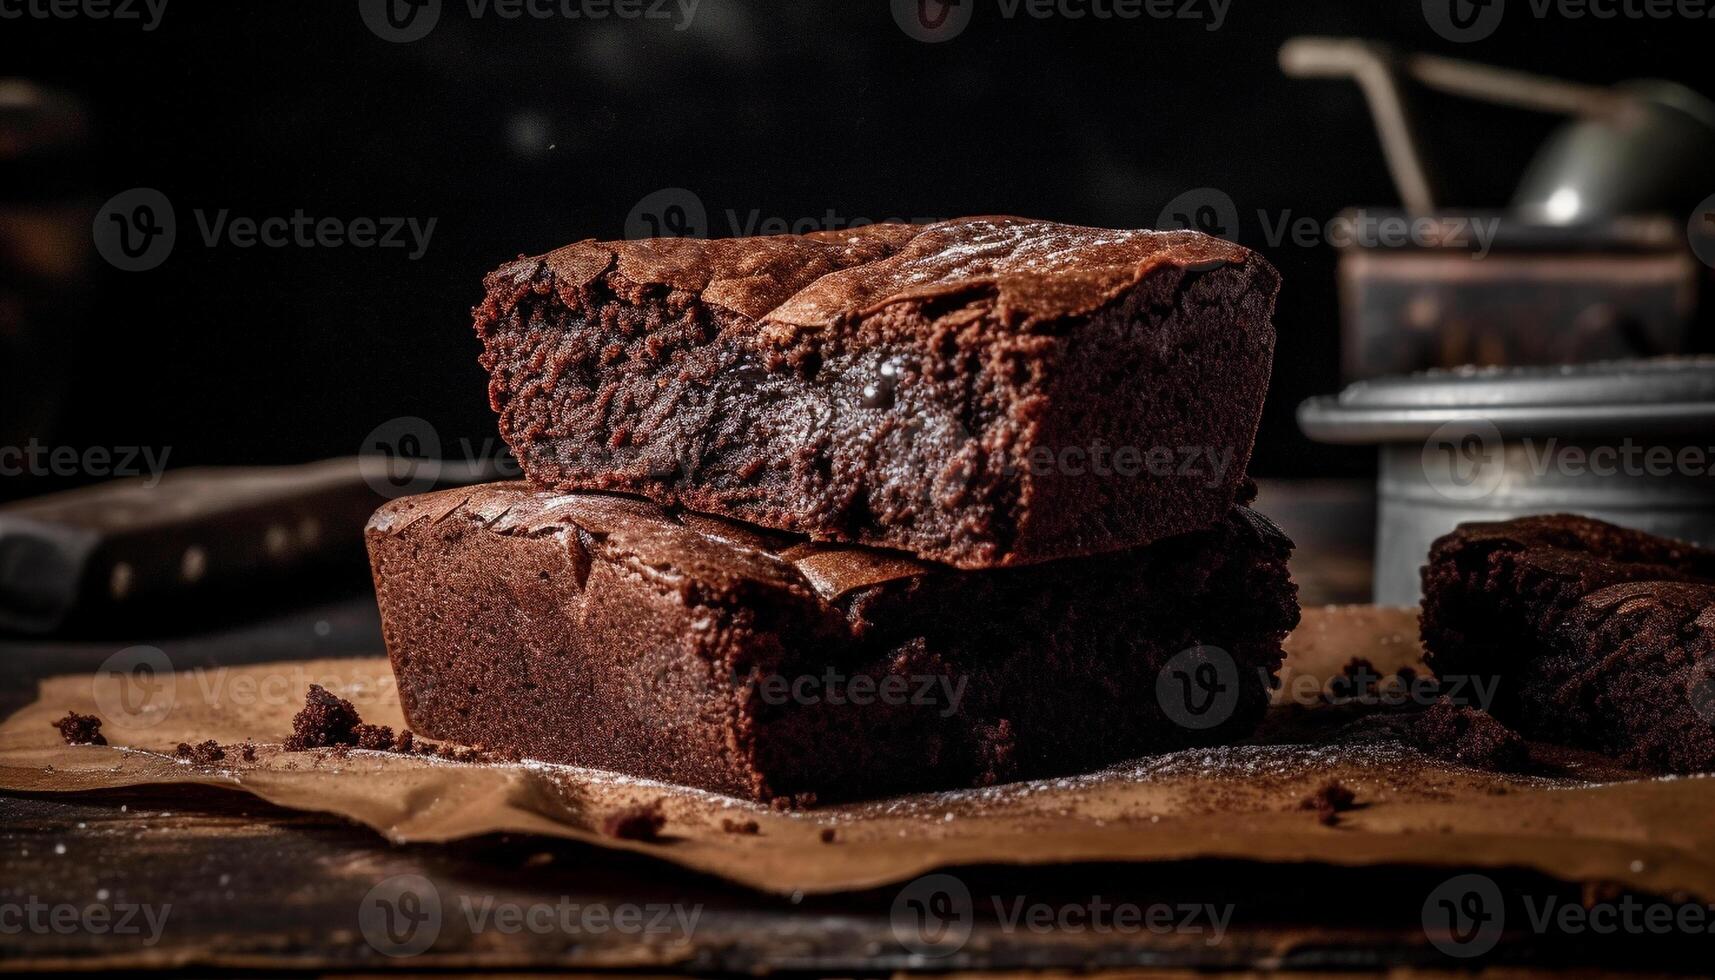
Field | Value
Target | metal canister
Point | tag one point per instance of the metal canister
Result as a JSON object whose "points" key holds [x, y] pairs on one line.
{"points": [[1630, 442]]}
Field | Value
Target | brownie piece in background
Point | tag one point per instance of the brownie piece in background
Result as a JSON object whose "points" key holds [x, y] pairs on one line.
{"points": [[603, 631], [1598, 636], [981, 392]]}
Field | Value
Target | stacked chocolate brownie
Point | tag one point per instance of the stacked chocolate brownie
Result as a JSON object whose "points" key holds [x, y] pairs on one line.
{"points": [[841, 514], [1585, 633]]}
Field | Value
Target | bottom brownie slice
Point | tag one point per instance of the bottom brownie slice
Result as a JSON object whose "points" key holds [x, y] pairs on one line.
{"points": [[603, 631], [1586, 634]]}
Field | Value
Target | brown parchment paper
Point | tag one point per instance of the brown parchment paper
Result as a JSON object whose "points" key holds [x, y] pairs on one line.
{"points": [[1577, 817]]}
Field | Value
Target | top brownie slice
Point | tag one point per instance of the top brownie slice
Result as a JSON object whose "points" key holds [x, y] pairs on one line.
{"points": [[981, 392]]}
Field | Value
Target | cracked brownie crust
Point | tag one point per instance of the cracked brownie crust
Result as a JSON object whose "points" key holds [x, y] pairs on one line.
{"points": [[603, 631], [1598, 636], [981, 392]]}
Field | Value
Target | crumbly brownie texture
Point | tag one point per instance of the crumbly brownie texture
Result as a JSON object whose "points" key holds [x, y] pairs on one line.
{"points": [[78, 729], [603, 631], [1598, 636], [324, 721], [643, 822], [980, 392], [203, 753], [1462, 733], [1330, 800]]}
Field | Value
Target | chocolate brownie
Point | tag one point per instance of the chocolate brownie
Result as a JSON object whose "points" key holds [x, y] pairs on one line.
{"points": [[1593, 635], [981, 392], [604, 631]]}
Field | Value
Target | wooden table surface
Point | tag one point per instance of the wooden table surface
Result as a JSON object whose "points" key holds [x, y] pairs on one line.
{"points": [[171, 880]]}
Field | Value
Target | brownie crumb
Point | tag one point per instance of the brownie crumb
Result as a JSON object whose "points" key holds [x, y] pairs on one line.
{"points": [[79, 729], [1358, 679], [1329, 801], [247, 751], [641, 823], [1470, 735], [830, 835], [376, 737], [404, 741], [740, 826], [325, 721], [203, 753]]}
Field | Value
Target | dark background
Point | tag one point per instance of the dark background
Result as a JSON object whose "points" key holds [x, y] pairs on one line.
{"points": [[521, 135]]}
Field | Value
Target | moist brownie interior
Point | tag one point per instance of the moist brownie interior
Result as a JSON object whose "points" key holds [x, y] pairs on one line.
{"points": [[958, 391]]}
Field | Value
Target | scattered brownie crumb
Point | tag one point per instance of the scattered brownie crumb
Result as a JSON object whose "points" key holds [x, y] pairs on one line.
{"points": [[203, 753], [1358, 679], [641, 823], [830, 835], [732, 826], [1470, 735], [404, 741], [325, 721], [376, 737], [79, 729], [247, 751], [1330, 800]]}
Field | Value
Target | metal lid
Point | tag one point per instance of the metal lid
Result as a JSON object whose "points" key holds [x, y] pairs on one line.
{"points": [[1662, 396]]}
